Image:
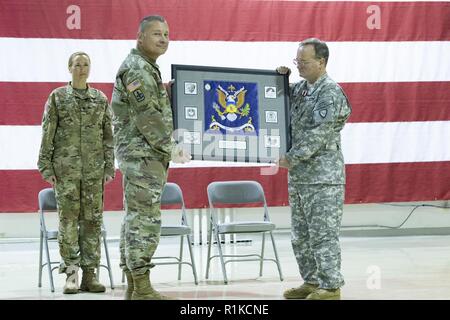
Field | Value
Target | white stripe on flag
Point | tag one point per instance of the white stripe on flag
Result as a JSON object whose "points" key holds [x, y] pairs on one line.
{"points": [[45, 60], [363, 143], [394, 142]]}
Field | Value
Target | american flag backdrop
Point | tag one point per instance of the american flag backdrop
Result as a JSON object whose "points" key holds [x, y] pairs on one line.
{"points": [[391, 58]]}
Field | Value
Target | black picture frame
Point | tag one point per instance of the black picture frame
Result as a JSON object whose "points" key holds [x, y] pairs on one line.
{"points": [[247, 121]]}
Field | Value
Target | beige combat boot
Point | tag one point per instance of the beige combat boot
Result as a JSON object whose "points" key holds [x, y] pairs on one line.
{"points": [[71, 285], [143, 289], [89, 282], [325, 294], [300, 292], [130, 285]]}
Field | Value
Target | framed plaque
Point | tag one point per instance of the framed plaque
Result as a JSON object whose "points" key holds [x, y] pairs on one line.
{"points": [[230, 114]]}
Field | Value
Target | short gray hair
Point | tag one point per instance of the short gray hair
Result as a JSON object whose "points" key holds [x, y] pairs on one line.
{"points": [[320, 48], [149, 19]]}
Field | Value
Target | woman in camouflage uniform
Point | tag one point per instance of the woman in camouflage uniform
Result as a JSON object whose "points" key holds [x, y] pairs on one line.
{"points": [[76, 157]]}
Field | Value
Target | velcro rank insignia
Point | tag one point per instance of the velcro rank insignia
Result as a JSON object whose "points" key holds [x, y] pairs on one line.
{"points": [[323, 113], [138, 95], [134, 85]]}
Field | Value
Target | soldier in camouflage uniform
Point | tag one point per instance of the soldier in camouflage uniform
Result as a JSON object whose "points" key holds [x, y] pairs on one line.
{"points": [[142, 121], [76, 156], [319, 110]]}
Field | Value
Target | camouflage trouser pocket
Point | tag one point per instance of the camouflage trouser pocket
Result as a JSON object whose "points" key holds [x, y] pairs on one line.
{"points": [[92, 199], [327, 208], [58, 169], [144, 180], [67, 193]]}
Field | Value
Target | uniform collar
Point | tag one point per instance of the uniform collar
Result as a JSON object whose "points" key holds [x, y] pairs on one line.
{"points": [[90, 93], [149, 60], [312, 87]]}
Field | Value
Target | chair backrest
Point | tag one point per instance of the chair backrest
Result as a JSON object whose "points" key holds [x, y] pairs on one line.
{"points": [[235, 192], [47, 200], [172, 194], [238, 192]]}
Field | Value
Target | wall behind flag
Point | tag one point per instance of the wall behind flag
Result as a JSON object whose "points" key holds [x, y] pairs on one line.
{"points": [[391, 58]]}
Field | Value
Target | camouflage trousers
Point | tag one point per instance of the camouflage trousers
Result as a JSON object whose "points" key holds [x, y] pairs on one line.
{"points": [[316, 220], [80, 208], [143, 182]]}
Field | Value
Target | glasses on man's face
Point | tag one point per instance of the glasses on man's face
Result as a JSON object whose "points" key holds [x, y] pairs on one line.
{"points": [[302, 62]]}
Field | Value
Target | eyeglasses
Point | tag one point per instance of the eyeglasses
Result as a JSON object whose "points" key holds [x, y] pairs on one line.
{"points": [[301, 62]]}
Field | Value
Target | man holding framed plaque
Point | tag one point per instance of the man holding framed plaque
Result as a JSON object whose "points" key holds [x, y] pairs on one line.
{"points": [[143, 146], [319, 111]]}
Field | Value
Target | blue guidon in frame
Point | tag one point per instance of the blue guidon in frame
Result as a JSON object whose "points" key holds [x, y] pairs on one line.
{"points": [[231, 107]]}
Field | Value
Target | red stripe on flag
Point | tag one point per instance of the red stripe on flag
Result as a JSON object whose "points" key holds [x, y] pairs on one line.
{"points": [[229, 20], [398, 182], [368, 183], [398, 101], [23, 102]]}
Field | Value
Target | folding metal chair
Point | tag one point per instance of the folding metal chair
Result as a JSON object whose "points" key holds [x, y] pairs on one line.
{"points": [[238, 192], [47, 202], [172, 195]]}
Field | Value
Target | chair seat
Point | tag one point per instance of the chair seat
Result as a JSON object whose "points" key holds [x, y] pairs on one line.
{"points": [[246, 227], [240, 193], [175, 230], [52, 234]]}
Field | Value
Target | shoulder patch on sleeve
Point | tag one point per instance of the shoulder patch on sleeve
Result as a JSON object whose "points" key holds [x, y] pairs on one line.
{"points": [[139, 95], [323, 104], [134, 85], [323, 111]]}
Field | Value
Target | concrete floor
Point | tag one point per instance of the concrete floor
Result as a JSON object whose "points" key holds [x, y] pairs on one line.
{"points": [[387, 268]]}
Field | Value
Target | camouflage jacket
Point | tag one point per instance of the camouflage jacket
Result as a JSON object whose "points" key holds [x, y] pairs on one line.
{"points": [[142, 114], [318, 114], [77, 137]]}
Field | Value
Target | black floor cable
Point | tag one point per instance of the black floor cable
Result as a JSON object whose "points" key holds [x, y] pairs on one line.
{"points": [[415, 207]]}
